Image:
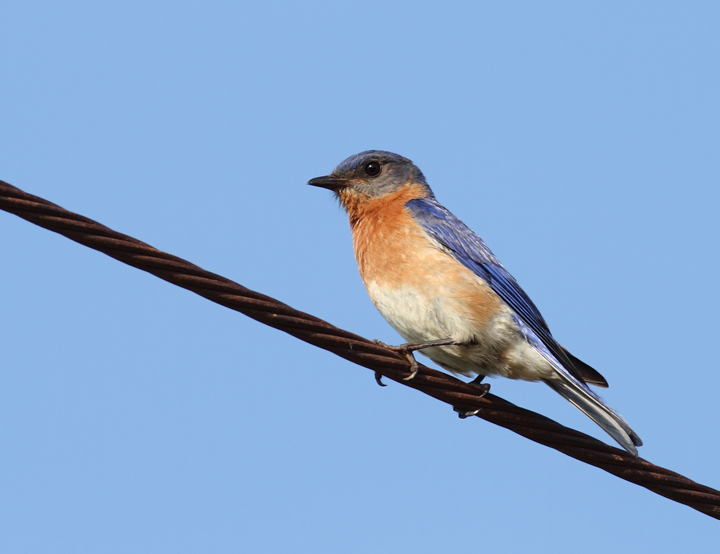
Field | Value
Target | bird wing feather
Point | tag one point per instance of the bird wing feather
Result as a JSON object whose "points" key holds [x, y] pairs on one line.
{"points": [[469, 249]]}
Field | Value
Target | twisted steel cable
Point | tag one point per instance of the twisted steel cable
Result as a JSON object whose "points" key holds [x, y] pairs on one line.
{"points": [[444, 387]]}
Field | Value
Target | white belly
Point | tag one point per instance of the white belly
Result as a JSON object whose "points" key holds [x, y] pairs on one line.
{"points": [[490, 345]]}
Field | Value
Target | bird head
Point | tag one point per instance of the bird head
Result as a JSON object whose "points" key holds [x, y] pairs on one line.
{"points": [[371, 175]]}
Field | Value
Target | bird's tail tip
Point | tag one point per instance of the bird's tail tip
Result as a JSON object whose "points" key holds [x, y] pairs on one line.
{"points": [[592, 406]]}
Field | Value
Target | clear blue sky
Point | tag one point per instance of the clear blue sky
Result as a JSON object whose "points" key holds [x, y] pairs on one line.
{"points": [[580, 140]]}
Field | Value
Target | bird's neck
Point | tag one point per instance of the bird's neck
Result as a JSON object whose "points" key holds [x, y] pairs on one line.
{"points": [[363, 209], [381, 228]]}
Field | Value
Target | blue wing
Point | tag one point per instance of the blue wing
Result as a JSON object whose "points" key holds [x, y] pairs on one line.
{"points": [[471, 251]]}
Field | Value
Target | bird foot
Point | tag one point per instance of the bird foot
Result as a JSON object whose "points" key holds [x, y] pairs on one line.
{"points": [[464, 414], [483, 388], [407, 350]]}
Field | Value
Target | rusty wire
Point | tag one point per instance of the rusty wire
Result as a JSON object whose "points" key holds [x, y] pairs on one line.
{"points": [[359, 350]]}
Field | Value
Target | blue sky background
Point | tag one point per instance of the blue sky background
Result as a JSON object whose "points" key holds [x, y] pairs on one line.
{"points": [[580, 140]]}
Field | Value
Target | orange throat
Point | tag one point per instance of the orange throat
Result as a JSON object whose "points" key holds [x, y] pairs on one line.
{"points": [[380, 227]]}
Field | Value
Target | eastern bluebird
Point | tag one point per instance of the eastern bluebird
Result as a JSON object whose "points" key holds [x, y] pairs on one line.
{"points": [[437, 283]]}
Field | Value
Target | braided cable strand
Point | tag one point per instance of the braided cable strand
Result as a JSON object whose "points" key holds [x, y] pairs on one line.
{"points": [[359, 350]]}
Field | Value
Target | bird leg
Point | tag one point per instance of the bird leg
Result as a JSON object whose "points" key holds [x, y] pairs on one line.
{"points": [[477, 383], [482, 389], [407, 350], [477, 380]]}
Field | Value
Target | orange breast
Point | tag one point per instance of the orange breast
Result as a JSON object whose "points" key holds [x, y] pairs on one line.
{"points": [[385, 237], [393, 252]]}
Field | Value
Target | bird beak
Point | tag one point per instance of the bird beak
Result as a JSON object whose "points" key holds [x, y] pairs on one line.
{"points": [[329, 182]]}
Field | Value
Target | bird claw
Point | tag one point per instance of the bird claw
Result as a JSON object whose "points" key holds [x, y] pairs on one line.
{"points": [[408, 348], [407, 351], [413, 367], [482, 388], [378, 379], [464, 414]]}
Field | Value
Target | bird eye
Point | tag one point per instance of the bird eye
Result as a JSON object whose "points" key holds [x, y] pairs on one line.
{"points": [[372, 169]]}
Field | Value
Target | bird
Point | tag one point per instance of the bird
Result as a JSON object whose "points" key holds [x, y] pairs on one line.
{"points": [[442, 289]]}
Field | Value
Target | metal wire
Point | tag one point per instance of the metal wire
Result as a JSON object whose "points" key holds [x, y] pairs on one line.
{"points": [[359, 350]]}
